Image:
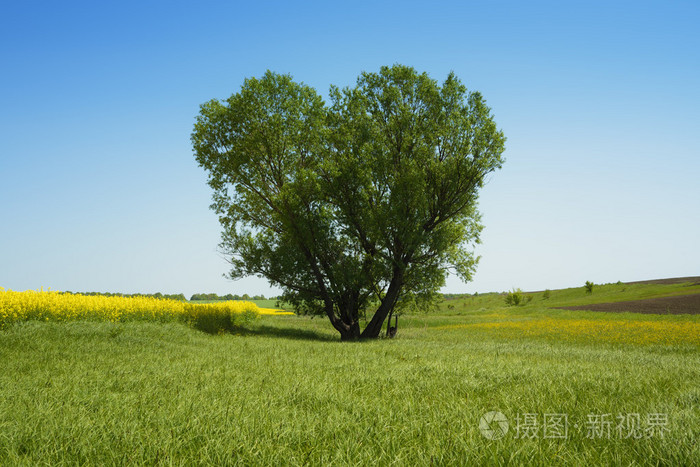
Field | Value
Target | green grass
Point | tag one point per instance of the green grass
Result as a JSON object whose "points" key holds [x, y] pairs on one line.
{"points": [[286, 391]]}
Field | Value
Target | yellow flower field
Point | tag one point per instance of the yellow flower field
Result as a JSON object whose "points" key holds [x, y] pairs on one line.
{"points": [[57, 306], [607, 330]]}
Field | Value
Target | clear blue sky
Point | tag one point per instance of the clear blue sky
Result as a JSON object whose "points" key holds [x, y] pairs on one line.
{"points": [[99, 190]]}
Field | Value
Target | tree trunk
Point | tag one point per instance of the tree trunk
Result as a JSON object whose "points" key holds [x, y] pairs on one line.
{"points": [[388, 324], [374, 328], [352, 333]]}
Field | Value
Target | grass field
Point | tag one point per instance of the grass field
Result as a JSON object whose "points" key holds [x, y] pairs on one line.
{"points": [[576, 387]]}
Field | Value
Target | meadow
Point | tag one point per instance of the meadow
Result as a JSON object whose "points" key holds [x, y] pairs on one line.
{"points": [[575, 388]]}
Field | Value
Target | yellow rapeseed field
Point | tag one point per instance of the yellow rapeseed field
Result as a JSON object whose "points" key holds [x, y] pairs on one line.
{"points": [[56, 306]]}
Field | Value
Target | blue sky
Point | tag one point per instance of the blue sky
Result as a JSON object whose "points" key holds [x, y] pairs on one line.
{"points": [[100, 191]]}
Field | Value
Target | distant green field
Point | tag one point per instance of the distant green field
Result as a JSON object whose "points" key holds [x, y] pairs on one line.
{"points": [[574, 388], [274, 304]]}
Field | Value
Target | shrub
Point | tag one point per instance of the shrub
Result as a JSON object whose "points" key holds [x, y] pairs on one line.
{"points": [[514, 298], [546, 294], [517, 297], [589, 287]]}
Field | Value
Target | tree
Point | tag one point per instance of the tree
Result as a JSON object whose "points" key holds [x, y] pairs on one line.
{"points": [[362, 204]]}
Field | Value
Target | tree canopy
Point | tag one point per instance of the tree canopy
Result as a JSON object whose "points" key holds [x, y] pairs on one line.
{"points": [[354, 206]]}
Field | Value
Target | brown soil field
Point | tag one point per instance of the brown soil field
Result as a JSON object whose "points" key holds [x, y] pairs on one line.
{"points": [[674, 280], [675, 305]]}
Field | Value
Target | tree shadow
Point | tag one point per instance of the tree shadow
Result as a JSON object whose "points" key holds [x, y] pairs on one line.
{"points": [[286, 333]]}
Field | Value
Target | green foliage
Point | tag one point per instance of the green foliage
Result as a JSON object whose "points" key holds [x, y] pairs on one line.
{"points": [[514, 297], [589, 286], [365, 202], [546, 294], [180, 296], [517, 297]]}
